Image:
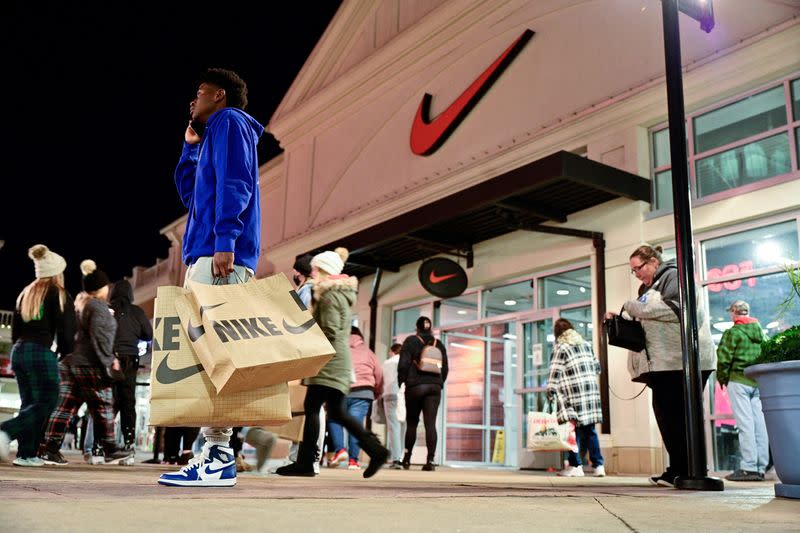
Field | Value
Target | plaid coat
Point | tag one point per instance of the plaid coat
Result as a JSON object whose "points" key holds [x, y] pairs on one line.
{"points": [[573, 380]]}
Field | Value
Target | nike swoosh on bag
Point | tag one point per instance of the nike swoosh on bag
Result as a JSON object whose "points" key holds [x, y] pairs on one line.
{"points": [[438, 279], [428, 135], [296, 330], [195, 332], [168, 376]]}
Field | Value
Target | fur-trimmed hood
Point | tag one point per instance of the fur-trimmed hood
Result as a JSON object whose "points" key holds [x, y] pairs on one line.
{"points": [[344, 283]]}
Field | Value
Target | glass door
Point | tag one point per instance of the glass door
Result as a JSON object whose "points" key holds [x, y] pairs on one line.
{"points": [[479, 399]]}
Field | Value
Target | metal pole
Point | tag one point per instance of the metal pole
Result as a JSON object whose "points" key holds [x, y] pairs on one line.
{"points": [[373, 309], [599, 288], [682, 209]]}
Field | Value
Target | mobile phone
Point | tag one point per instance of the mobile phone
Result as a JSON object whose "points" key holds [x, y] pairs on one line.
{"points": [[198, 127]]}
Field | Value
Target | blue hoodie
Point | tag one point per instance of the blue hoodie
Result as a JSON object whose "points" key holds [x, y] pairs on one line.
{"points": [[217, 180]]}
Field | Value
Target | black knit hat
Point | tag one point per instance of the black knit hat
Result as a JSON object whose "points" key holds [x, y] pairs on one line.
{"points": [[93, 279], [303, 264]]}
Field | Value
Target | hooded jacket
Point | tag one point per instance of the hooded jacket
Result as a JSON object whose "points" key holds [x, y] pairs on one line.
{"points": [[217, 180], [132, 324], [94, 341], [656, 309], [573, 380], [369, 372], [410, 352], [333, 298], [739, 348]]}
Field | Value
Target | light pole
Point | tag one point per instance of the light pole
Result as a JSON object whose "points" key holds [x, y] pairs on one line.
{"points": [[682, 210]]}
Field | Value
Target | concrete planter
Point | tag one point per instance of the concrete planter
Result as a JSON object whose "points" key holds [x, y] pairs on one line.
{"points": [[779, 385]]}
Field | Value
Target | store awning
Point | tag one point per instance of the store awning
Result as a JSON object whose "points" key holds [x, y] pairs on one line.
{"points": [[547, 190]]}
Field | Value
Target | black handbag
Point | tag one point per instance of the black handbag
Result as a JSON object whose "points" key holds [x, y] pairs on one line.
{"points": [[625, 333]]}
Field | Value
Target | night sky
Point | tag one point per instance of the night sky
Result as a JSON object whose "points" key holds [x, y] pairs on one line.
{"points": [[99, 98]]}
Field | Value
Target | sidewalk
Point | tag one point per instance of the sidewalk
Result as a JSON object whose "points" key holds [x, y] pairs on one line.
{"points": [[80, 497]]}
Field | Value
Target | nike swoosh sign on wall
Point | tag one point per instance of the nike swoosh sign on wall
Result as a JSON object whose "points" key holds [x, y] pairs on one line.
{"points": [[428, 135], [167, 375], [438, 279]]}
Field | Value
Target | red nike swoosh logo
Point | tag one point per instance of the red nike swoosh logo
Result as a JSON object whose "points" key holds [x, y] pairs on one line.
{"points": [[438, 279], [428, 135]]}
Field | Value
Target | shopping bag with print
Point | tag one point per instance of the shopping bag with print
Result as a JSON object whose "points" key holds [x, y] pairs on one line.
{"points": [[545, 434], [253, 334], [181, 392]]}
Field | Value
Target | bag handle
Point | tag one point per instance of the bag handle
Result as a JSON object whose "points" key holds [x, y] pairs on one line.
{"points": [[223, 280]]}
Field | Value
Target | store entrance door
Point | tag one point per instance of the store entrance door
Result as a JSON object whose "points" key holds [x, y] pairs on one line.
{"points": [[479, 399]]}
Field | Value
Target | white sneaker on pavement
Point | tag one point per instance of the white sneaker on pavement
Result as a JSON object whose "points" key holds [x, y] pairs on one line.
{"points": [[5, 444], [572, 471], [600, 471]]}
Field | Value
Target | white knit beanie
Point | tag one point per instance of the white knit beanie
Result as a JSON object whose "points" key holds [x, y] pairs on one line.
{"points": [[46, 262], [331, 262]]}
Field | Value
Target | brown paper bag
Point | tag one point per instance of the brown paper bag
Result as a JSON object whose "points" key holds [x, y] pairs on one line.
{"points": [[253, 334], [181, 393], [297, 397], [292, 430]]}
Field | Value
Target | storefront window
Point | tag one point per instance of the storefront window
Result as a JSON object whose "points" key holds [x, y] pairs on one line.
{"points": [[508, 299], [581, 319], [405, 320], [663, 189], [565, 288], [463, 308], [750, 116], [661, 148], [743, 165], [796, 99], [765, 247]]}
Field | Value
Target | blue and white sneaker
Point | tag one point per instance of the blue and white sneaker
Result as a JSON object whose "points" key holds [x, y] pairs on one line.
{"points": [[214, 466]]}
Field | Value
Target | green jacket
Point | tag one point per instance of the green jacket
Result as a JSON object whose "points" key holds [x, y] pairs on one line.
{"points": [[740, 347], [333, 298]]}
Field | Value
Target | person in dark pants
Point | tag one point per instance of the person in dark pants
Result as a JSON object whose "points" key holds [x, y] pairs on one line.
{"points": [[132, 327], [660, 364], [423, 390], [334, 294], [44, 312], [174, 437]]}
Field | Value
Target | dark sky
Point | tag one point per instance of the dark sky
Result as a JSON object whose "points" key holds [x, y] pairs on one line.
{"points": [[99, 100]]}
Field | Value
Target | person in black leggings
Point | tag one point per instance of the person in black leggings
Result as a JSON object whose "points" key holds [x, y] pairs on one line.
{"points": [[423, 390]]}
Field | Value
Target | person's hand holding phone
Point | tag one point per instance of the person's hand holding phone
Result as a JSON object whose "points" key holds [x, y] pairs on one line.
{"points": [[191, 136]]}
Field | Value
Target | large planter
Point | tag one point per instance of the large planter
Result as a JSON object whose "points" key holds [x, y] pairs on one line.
{"points": [[779, 386]]}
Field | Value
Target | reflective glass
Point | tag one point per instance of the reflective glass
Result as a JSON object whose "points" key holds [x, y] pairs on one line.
{"points": [[464, 444], [663, 190], [508, 299], [796, 99], [768, 246], [565, 288], [463, 308], [661, 148], [747, 117], [743, 165], [405, 320]]}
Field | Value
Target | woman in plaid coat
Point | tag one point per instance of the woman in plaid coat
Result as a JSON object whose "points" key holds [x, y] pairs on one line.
{"points": [[573, 386]]}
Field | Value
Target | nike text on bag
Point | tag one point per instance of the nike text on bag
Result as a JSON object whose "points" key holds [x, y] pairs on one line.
{"points": [[253, 334], [181, 393], [545, 434], [430, 359]]}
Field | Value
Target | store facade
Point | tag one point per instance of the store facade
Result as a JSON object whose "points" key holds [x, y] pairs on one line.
{"points": [[370, 158]]}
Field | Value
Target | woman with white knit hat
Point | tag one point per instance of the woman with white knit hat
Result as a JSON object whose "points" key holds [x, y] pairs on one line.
{"points": [[44, 313], [85, 373], [334, 295]]}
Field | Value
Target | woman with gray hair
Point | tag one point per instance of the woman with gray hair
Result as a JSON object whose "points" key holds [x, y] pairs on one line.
{"points": [[660, 364]]}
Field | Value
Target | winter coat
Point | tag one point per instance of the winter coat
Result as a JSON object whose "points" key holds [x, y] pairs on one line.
{"points": [[369, 373], [333, 298], [573, 380], [94, 341], [658, 313], [739, 348], [132, 324], [410, 352], [52, 323]]}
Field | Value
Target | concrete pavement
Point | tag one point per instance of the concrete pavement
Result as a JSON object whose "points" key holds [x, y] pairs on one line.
{"points": [[80, 497]]}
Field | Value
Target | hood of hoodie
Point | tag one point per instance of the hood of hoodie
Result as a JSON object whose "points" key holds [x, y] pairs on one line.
{"points": [[121, 293], [355, 340], [751, 328], [344, 284], [258, 129]]}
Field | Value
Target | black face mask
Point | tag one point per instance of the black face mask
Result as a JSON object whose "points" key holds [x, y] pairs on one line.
{"points": [[297, 279]]}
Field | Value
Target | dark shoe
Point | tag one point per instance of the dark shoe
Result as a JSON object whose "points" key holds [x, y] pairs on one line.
{"points": [[296, 469], [152, 461], [396, 465], [745, 475], [185, 458], [53, 458], [428, 467], [118, 456], [377, 455], [406, 461], [667, 479]]}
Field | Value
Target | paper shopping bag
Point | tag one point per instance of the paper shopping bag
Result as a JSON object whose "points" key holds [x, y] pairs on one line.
{"points": [[181, 393], [545, 434], [253, 334]]}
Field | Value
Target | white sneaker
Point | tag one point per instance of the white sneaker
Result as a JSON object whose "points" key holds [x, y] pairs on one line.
{"points": [[5, 444], [600, 471], [572, 471], [215, 466], [28, 461]]}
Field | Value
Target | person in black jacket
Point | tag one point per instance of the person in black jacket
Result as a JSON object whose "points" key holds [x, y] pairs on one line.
{"points": [[423, 390], [132, 327], [44, 312], [85, 373]]}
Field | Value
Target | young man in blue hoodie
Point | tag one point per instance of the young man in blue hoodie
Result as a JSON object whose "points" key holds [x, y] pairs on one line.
{"points": [[217, 179]]}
